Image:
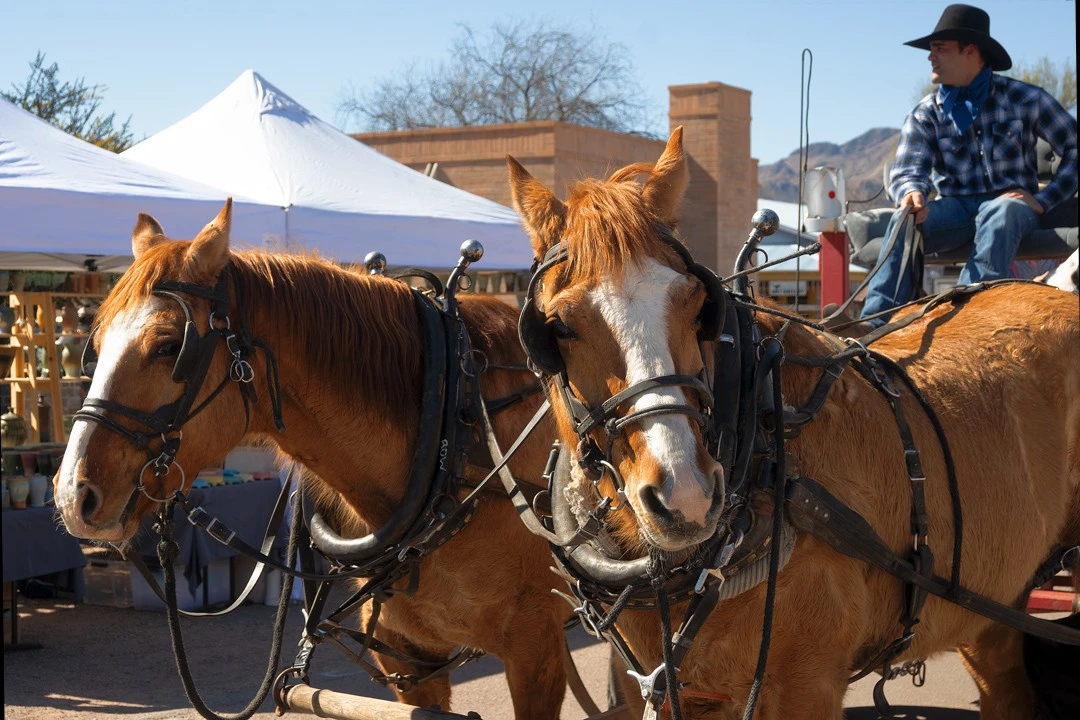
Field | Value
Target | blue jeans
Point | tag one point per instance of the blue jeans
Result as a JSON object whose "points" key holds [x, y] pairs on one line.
{"points": [[996, 223]]}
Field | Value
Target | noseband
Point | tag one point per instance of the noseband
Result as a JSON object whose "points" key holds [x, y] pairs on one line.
{"points": [[191, 367], [541, 347]]}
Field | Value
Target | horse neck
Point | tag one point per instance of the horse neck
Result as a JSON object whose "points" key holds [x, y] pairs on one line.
{"points": [[348, 361]]}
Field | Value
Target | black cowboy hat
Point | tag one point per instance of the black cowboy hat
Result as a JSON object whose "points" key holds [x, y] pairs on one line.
{"points": [[968, 24]]}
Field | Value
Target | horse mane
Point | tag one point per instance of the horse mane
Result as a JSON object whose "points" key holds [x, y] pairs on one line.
{"points": [[609, 226], [359, 330]]}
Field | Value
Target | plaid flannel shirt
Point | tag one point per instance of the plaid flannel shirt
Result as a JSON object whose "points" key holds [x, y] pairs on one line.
{"points": [[997, 153]]}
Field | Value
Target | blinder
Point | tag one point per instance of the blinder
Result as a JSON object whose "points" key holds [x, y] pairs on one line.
{"points": [[714, 309], [538, 339], [89, 356], [188, 357], [186, 360]]}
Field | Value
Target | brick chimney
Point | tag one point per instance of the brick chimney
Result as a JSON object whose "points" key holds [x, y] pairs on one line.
{"points": [[722, 196]]}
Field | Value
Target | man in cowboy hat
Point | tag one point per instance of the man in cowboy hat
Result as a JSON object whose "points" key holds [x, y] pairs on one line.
{"points": [[973, 141]]}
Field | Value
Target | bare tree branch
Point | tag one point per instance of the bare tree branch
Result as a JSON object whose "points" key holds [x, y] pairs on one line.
{"points": [[518, 72]]}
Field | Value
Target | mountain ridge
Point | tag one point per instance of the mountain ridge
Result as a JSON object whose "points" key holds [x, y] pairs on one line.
{"points": [[862, 159]]}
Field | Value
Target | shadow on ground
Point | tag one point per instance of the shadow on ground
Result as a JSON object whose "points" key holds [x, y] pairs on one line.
{"points": [[903, 712]]}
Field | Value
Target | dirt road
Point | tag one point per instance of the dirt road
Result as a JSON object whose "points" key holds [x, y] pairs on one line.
{"points": [[100, 662]]}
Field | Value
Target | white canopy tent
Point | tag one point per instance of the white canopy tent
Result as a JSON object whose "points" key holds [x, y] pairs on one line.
{"points": [[68, 205], [339, 196]]}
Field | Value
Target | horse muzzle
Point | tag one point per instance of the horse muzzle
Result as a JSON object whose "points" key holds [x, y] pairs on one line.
{"points": [[81, 507], [676, 515]]}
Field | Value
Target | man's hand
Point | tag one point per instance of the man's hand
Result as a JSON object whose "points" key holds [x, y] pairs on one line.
{"points": [[917, 203], [1024, 195]]}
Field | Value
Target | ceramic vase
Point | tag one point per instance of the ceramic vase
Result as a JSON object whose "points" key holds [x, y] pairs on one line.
{"points": [[38, 486], [12, 464], [19, 491], [71, 356], [12, 429]]}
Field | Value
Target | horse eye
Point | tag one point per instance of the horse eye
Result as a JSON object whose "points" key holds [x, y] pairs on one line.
{"points": [[168, 350], [562, 330]]}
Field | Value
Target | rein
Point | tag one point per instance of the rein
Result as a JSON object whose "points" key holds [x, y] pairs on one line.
{"points": [[167, 552]]}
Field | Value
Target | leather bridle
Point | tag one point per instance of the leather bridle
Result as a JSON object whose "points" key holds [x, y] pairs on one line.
{"points": [[541, 347], [192, 365]]}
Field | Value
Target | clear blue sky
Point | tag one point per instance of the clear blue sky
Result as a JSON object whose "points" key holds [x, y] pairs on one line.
{"points": [[163, 60]]}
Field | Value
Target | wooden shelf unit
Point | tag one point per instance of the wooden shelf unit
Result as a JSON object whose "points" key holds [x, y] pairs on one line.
{"points": [[24, 382]]}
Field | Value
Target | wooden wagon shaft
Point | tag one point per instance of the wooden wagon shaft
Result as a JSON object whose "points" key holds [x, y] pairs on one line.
{"points": [[341, 706]]}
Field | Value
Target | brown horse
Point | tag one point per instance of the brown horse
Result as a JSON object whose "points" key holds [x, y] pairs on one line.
{"points": [[349, 356], [1002, 371]]}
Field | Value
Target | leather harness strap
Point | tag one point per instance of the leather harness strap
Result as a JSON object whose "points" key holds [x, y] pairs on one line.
{"points": [[815, 510]]}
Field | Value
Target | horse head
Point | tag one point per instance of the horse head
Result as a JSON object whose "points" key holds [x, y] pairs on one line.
{"points": [[617, 315], [155, 364]]}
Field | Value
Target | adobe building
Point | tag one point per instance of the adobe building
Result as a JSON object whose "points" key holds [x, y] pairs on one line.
{"points": [[719, 202]]}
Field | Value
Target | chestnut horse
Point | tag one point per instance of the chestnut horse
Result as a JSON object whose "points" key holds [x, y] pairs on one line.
{"points": [[349, 358], [1002, 371]]}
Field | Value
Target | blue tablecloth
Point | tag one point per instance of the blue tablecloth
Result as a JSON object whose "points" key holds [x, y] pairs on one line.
{"points": [[36, 543], [244, 508]]}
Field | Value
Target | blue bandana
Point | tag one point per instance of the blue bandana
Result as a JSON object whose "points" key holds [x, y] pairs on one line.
{"points": [[962, 104]]}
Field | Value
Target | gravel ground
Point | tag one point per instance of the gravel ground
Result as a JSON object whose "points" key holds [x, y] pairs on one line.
{"points": [[102, 662]]}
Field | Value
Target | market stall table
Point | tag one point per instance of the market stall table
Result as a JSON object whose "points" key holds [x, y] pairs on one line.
{"points": [[36, 544]]}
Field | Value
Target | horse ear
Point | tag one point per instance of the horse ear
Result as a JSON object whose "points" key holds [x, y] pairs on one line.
{"points": [[147, 234], [543, 213], [664, 189], [209, 250]]}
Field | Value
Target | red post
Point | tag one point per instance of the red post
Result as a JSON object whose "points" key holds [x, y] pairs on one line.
{"points": [[833, 267]]}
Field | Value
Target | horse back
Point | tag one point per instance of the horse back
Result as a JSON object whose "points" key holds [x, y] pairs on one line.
{"points": [[1001, 371]]}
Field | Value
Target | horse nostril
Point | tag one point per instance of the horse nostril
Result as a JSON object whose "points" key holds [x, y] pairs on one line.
{"points": [[88, 501], [718, 481], [650, 499]]}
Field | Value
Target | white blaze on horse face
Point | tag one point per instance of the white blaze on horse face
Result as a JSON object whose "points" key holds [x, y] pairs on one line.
{"points": [[118, 337], [636, 313]]}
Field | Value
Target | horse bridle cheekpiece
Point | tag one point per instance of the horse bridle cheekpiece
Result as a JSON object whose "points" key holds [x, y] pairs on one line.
{"points": [[190, 369]]}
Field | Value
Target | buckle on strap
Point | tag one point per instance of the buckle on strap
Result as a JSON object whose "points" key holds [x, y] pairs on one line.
{"points": [[213, 527]]}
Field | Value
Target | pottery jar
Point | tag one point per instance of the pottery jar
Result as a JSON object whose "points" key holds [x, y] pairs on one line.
{"points": [[19, 491], [39, 486], [12, 429]]}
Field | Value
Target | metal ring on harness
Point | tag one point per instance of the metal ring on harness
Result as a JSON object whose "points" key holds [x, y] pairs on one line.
{"points": [[141, 487], [474, 362], [210, 321], [617, 481]]}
